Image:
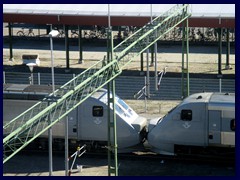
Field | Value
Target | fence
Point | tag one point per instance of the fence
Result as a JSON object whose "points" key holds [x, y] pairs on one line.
{"points": [[127, 86]]}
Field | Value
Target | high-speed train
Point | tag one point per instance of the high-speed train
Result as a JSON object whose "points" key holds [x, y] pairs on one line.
{"points": [[88, 122], [202, 121]]}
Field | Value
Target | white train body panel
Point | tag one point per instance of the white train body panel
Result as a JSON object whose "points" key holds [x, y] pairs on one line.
{"points": [[89, 121], [92, 121], [203, 119]]}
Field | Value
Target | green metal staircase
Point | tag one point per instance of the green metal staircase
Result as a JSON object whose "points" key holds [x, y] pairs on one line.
{"points": [[26, 127]]}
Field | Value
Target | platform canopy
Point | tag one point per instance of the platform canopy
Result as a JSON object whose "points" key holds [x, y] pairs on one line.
{"points": [[203, 15]]}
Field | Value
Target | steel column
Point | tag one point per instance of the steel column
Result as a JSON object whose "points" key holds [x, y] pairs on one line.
{"points": [[148, 78], [112, 128], [67, 47], [80, 44], [66, 147], [185, 50], [227, 50], [219, 51], [141, 58], [50, 162], [152, 55], [156, 74], [183, 61], [10, 41]]}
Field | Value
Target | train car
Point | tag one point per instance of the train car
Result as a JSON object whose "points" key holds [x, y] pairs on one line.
{"points": [[88, 123], [203, 122]]}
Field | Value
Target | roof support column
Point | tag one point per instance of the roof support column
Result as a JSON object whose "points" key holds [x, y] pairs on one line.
{"points": [[67, 47], [80, 44], [227, 50], [10, 41], [219, 51]]}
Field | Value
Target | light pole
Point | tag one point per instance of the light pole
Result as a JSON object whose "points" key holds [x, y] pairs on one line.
{"points": [[52, 34], [31, 66]]}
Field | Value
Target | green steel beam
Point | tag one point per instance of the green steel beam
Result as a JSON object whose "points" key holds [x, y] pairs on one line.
{"points": [[146, 36], [33, 122], [72, 98]]}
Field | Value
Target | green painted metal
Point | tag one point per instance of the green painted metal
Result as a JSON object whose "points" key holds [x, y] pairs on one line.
{"points": [[112, 128], [26, 127], [33, 122], [185, 65], [149, 34]]}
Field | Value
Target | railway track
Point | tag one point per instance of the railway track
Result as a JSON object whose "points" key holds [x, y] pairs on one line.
{"points": [[145, 155]]}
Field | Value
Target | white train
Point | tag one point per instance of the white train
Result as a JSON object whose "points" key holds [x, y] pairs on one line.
{"points": [[89, 121], [201, 121]]}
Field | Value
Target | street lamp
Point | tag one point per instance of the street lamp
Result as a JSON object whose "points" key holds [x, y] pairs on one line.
{"points": [[31, 66], [52, 34]]}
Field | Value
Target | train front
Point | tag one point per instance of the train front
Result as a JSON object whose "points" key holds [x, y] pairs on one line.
{"points": [[130, 126]]}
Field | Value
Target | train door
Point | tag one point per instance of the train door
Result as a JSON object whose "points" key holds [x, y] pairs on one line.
{"points": [[214, 131]]}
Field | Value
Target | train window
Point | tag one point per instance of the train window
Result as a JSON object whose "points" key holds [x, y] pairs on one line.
{"points": [[186, 115], [97, 111], [232, 124]]}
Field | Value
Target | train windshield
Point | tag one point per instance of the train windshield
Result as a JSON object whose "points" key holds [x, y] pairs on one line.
{"points": [[125, 110]]}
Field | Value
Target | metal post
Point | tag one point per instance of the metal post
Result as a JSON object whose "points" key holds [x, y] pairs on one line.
{"points": [[156, 74], [32, 78], [227, 50], [141, 62], [80, 43], [66, 147], [67, 48], [10, 42], [52, 65], [39, 79], [4, 78], [152, 55], [145, 97], [49, 118], [220, 84], [109, 95], [148, 80], [112, 128], [183, 61], [50, 146], [187, 51], [220, 51]]}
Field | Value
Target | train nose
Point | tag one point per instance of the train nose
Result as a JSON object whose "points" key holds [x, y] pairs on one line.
{"points": [[140, 123], [152, 123]]}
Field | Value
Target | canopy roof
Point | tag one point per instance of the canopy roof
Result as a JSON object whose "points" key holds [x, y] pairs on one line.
{"points": [[203, 15]]}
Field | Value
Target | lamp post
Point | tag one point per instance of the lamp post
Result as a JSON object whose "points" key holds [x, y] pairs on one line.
{"points": [[52, 34], [31, 66]]}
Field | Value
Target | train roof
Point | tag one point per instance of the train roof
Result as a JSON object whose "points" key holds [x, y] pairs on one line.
{"points": [[211, 98]]}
